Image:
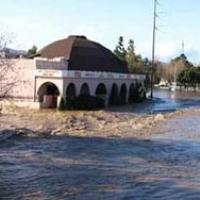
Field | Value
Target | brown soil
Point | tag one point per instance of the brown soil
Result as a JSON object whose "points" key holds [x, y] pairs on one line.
{"points": [[83, 123]]}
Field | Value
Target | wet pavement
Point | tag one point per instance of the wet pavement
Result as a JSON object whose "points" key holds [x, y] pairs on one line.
{"points": [[164, 166]]}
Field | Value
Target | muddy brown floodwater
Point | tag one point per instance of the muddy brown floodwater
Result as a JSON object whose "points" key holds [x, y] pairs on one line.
{"points": [[163, 166]]}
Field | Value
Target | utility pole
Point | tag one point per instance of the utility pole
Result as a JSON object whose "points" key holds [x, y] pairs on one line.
{"points": [[153, 46], [183, 47]]}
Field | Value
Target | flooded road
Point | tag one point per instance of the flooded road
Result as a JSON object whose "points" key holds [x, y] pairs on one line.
{"points": [[167, 101], [164, 166]]}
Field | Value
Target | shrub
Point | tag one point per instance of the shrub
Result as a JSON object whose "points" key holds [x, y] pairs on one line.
{"points": [[139, 95], [85, 102], [115, 101]]}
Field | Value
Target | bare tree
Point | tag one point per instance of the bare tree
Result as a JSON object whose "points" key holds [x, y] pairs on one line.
{"points": [[9, 74]]}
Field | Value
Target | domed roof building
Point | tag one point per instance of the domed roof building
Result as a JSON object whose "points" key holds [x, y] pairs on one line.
{"points": [[84, 55], [70, 68], [77, 66]]}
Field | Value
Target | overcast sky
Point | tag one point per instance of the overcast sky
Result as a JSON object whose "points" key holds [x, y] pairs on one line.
{"points": [[40, 22]]}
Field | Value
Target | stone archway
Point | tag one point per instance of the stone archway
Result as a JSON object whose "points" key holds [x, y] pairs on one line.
{"points": [[101, 91], [123, 93], [131, 93], [114, 95], [48, 95], [85, 90], [71, 91]]}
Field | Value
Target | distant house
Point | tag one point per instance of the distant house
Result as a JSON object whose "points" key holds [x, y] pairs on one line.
{"points": [[71, 67], [12, 53]]}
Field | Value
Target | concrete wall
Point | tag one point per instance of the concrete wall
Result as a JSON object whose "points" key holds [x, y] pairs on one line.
{"points": [[63, 83], [20, 76], [93, 84], [29, 80]]}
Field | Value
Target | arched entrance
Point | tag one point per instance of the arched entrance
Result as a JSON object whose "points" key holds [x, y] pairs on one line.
{"points": [[71, 91], [85, 90], [114, 96], [48, 95], [101, 91], [131, 93], [123, 93]]}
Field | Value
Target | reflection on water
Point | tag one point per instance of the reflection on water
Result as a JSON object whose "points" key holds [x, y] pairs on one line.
{"points": [[167, 101], [164, 167]]}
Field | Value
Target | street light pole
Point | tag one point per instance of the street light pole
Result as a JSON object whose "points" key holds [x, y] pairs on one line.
{"points": [[153, 46]]}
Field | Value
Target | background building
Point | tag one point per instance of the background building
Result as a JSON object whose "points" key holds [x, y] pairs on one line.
{"points": [[12, 53]]}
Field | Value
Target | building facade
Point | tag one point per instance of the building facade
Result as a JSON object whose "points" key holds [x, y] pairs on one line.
{"points": [[71, 67]]}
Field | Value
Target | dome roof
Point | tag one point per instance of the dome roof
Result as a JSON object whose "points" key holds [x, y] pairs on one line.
{"points": [[83, 54]]}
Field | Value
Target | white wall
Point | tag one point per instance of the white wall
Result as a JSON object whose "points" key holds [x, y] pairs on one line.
{"points": [[21, 77]]}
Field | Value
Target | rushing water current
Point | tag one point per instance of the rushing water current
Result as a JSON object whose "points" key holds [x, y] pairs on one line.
{"points": [[166, 166]]}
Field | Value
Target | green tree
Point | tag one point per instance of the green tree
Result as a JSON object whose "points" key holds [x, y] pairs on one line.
{"points": [[120, 51], [131, 57], [182, 61], [135, 61], [172, 70], [189, 77], [32, 51]]}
